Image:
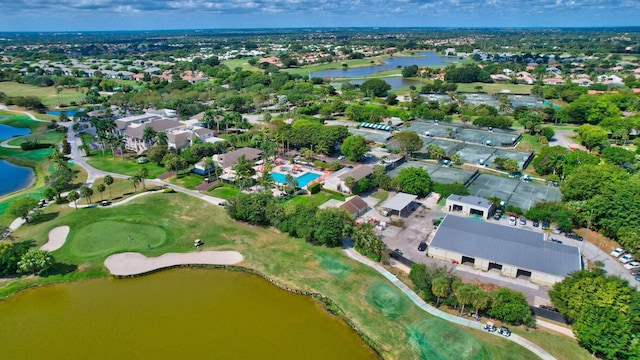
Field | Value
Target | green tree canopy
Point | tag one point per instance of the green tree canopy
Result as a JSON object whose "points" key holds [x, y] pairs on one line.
{"points": [[375, 87], [413, 180], [354, 147], [406, 141]]}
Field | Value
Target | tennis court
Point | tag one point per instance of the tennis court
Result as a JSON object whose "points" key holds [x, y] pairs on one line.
{"points": [[439, 173], [515, 192]]}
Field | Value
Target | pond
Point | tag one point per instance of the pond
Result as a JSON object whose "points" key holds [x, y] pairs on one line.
{"points": [[70, 113], [395, 82], [7, 132], [428, 58], [14, 177], [174, 314]]}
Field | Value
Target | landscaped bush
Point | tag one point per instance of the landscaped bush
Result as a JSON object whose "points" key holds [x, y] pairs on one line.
{"points": [[314, 188], [34, 146]]}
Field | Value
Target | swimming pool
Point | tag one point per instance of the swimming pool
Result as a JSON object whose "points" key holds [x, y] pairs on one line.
{"points": [[302, 180]]}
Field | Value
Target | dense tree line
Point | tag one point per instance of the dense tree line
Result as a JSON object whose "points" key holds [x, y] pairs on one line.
{"points": [[439, 285], [604, 312], [467, 74]]}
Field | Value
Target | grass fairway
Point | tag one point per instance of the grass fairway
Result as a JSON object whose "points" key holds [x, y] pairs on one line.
{"points": [[173, 221], [128, 166], [49, 137], [47, 95], [560, 346]]}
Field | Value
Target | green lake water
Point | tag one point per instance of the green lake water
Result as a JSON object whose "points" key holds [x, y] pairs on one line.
{"points": [[175, 314]]}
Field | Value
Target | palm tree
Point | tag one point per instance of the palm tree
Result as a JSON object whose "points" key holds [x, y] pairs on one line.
{"points": [[464, 293], [86, 191], [480, 300], [101, 188], [73, 196], [135, 180], [440, 288], [108, 180], [291, 181], [161, 138], [243, 169], [119, 143], [148, 135], [143, 173]]}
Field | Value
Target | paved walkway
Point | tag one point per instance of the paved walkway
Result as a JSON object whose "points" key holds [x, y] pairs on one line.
{"points": [[352, 253], [130, 264]]}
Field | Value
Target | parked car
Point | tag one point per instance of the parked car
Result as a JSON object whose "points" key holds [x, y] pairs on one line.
{"points": [[523, 221], [545, 224], [631, 265], [574, 236], [422, 246], [626, 258], [497, 216], [635, 272], [617, 252], [512, 220], [536, 223], [105, 203]]}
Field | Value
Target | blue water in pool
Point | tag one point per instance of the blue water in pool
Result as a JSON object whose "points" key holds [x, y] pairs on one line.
{"points": [[302, 180], [13, 177], [7, 132]]}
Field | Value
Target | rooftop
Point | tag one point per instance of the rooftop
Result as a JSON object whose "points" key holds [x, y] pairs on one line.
{"points": [[506, 245], [470, 200]]}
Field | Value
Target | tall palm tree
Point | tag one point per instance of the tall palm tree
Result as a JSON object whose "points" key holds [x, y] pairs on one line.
{"points": [[135, 180], [148, 135], [86, 191], [101, 188], [108, 180], [161, 138], [480, 300], [440, 288], [73, 196], [143, 173], [243, 169]]}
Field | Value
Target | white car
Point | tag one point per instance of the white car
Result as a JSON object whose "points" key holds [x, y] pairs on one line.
{"points": [[512, 221], [617, 252], [626, 258], [631, 265]]}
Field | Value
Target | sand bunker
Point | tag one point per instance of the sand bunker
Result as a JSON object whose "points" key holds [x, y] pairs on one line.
{"points": [[130, 263], [57, 237]]}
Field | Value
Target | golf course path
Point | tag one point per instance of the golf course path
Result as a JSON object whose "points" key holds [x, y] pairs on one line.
{"points": [[129, 263], [57, 237], [352, 253]]}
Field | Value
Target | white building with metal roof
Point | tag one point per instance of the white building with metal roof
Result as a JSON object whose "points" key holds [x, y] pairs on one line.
{"points": [[514, 252], [469, 205]]}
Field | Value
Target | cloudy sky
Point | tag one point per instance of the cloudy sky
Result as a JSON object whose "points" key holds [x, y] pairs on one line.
{"points": [[84, 15]]}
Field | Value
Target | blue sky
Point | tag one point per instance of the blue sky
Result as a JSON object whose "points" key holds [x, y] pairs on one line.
{"points": [[84, 15]]}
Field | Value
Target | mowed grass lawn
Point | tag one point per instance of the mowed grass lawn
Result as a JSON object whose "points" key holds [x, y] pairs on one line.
{"points": [[560, 346], [128, 166], [48, 137], [171, 222], [316, 199], [47, 95], [225, 191]]}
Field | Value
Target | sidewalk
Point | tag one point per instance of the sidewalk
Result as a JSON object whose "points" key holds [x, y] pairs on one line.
{"points": [[352, 253]]}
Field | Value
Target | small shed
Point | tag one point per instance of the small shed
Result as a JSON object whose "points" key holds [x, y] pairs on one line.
{"points": [[401, 204]]}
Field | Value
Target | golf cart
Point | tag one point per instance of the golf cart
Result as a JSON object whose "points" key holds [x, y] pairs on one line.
{"points": [[490, 327], [504, 331]]}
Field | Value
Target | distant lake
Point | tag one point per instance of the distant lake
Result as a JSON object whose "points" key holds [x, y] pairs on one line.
{"points": [[70, 113], [14, 177], [7, 132], [395, 82], [428, 58]]}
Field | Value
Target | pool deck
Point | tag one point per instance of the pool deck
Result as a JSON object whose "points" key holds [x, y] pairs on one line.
{"points": [[131, 264]]}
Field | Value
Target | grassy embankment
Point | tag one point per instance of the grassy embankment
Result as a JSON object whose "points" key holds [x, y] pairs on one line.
{"points": [[170, 223]]}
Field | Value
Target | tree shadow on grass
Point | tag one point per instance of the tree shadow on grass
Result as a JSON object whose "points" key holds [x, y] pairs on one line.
{"points": [[43, 218], [60, 269]]}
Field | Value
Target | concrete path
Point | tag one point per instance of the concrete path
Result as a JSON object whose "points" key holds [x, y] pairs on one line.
{"points": [[352, 253], [555, 327], [129, 264], [57, 237], [73, 203]]}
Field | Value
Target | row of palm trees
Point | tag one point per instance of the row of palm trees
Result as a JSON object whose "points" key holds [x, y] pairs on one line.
{"points": [[86, 192]]}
